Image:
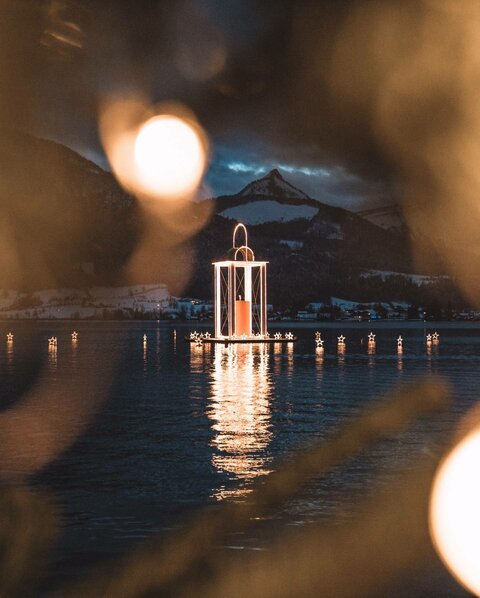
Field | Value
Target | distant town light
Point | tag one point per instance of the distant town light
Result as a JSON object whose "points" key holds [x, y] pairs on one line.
{"points": [[169, 156], [454, 512]]}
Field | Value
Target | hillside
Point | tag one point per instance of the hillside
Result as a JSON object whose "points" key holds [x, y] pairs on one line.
{"points": [[314, 249], [65, 221]]}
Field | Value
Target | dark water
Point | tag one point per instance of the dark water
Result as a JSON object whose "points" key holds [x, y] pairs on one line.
{"points": [[147, 433]]}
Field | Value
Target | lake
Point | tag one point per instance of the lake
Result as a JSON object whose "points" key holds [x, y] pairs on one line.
{"points": [[147, 433]]}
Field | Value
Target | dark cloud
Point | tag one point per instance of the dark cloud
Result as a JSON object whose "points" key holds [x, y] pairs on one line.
{"points": [[308, 79], [234, 166], [234, 63]]}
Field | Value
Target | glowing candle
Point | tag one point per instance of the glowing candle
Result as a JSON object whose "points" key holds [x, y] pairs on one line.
{"points": [[243, 318]]}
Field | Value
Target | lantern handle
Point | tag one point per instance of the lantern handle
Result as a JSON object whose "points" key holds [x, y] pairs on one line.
{"points": [[245, 252], [240, 225]]}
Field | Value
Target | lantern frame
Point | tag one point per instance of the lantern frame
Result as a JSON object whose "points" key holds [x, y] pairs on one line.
{"points": [[246, 279]]}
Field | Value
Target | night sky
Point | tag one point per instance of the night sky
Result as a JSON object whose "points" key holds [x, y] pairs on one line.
{"points": [[244, 67], [357, 102]]}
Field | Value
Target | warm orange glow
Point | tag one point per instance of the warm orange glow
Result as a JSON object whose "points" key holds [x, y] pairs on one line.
{"points": [[243, 320], [161, 156], [455, 514], [239, 408], [169, 156]]}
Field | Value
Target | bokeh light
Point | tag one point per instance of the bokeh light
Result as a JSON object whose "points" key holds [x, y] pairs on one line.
{"points": [[455, 512], [156, 153], [169, 156]]}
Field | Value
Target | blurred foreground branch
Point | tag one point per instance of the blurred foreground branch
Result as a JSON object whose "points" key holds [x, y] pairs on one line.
{"points": [[27, 531], [165, 567]]}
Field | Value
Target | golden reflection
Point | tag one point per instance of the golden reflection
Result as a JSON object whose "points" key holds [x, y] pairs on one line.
{"points": [[400, 361], [239, 407], [10, 351], [290, 348], [319, 359], [52, 355], [198, 352]]}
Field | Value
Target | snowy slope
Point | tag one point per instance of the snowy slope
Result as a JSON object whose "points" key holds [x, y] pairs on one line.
{"points": [[273, 184], [262, 211]]}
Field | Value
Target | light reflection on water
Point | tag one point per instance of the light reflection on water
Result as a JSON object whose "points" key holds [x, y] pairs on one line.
{"points": [[239, 406], [185, 426]]}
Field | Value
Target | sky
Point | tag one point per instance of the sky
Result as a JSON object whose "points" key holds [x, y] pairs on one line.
{"points": [[233, 166], [242, 67]]}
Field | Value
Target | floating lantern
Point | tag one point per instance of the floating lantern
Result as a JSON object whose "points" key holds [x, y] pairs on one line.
{"points": [[9, 337], [240, 291], [74, 336], [277, 336], [435, 337], [371, 338], [289, 336], [429, 339], [240, 297], [52, 342], [341, 343]]}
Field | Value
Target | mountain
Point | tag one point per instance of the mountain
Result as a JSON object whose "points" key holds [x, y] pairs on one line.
{"points": [[314, 249], [269, 199], [64, 220]]}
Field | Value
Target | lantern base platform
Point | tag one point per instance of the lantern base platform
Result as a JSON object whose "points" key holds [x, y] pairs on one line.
{"points": [[252, 340]]}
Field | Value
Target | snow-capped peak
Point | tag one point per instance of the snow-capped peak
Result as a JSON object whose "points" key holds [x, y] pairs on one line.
{"points": [[273, 185]]}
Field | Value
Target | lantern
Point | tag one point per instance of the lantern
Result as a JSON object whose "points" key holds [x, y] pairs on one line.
{"points": [[240, 293]]}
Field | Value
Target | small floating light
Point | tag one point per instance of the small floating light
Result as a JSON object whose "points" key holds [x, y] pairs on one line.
{"points": [[52, 341], [207, 335], [429, 339], [341, 340], [400, 344], [9, 337], [144, 339], [435, 337], [289, 336], [74, 336], [371, 338], [277, 336], [454, 515]]}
